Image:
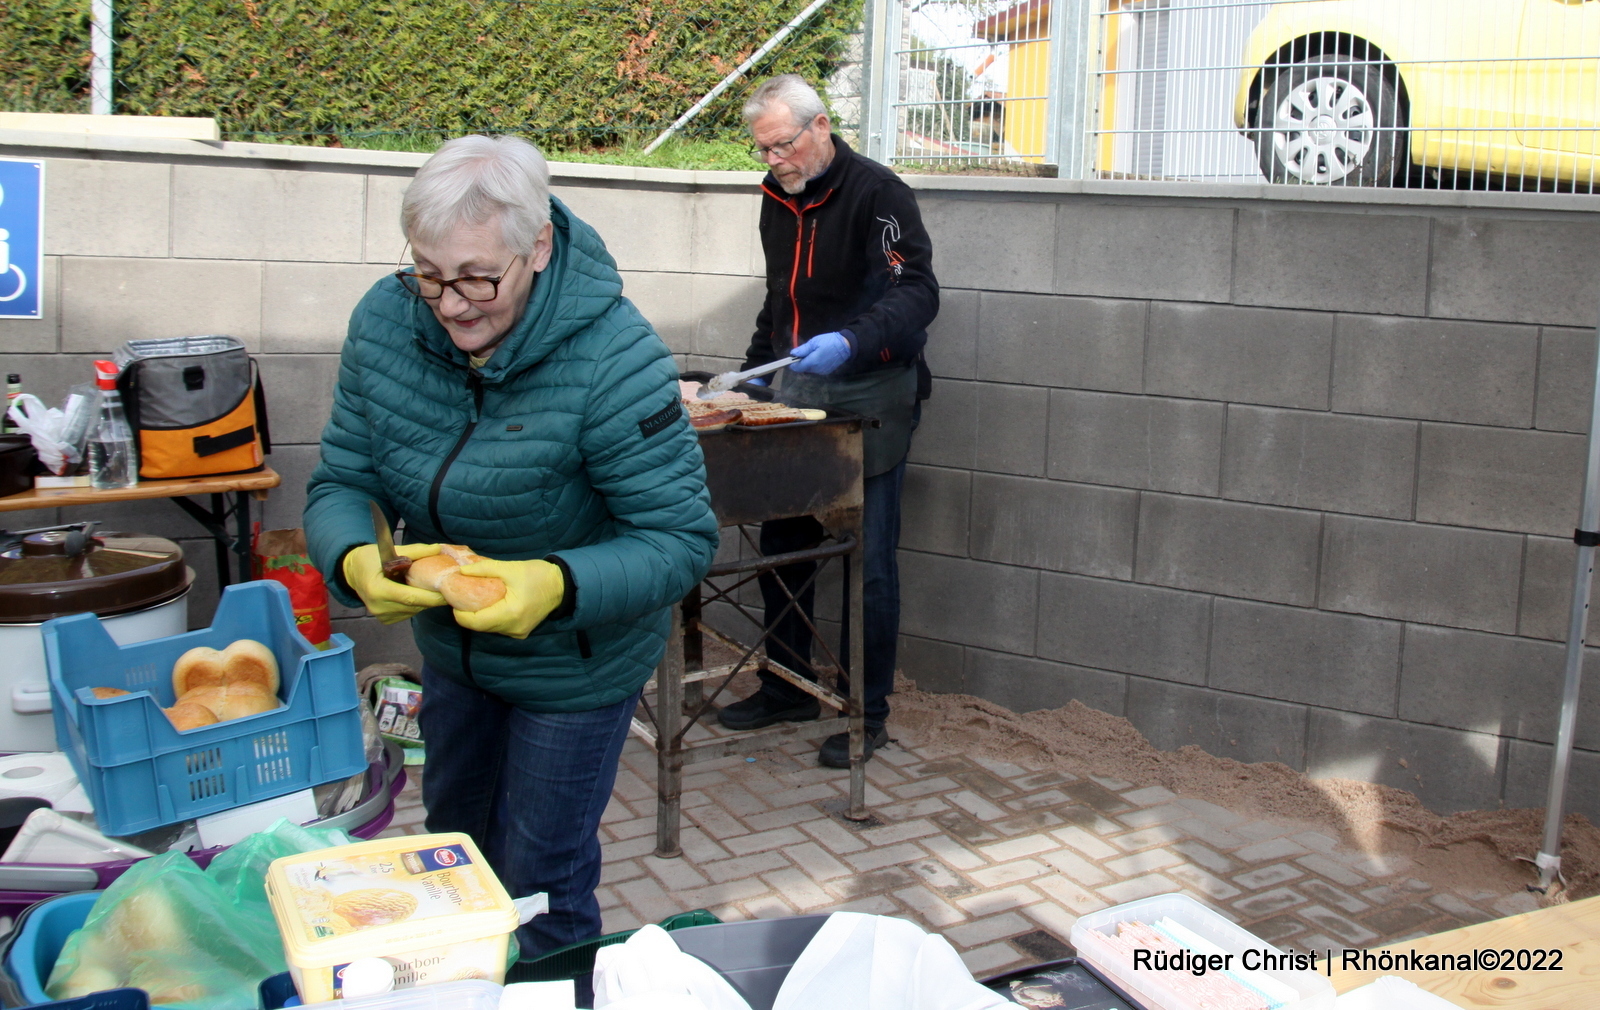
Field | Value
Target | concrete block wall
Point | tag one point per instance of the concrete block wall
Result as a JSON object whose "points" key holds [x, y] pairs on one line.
{"points": [[1281, 473]]}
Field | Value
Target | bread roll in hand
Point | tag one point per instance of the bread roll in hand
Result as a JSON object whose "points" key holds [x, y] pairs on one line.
{"points": [[441, 574]]}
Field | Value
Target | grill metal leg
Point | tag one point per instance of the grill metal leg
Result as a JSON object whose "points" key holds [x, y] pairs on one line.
{"points": [[669, 743], [854, 589]]}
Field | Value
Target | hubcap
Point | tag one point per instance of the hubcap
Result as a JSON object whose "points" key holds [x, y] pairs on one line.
{"points": [[1323, 129]]}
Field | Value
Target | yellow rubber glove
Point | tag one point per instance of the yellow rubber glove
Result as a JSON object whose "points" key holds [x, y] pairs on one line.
{"points": [[533, 589], [387, 600]]}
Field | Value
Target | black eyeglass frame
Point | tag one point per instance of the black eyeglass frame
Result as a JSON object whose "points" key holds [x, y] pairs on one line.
{"points": [[409, 280], [760, 153]]}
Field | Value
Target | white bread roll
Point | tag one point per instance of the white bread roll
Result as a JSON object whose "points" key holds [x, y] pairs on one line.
{"points": [[243, 661], [232, 701], [425, 573], [189, 715]]}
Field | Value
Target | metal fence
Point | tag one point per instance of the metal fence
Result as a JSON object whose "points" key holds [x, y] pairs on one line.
{"points": [[404, 74], [1500, 94]]}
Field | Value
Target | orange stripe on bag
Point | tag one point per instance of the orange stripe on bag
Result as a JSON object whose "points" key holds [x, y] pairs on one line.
{"points": [[226, 445]]}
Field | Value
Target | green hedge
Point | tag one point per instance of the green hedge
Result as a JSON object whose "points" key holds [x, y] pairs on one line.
{"points": [[571, 75]]}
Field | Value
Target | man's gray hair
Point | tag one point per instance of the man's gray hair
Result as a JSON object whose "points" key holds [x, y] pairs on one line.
{"points": [[790, 91], [473, 180]]}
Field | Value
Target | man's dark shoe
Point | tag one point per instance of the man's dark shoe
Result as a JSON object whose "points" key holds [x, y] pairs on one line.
{"points": [[835, 752], [761, 709]]}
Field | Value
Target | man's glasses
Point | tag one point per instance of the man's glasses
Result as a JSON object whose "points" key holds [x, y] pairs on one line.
{"points": [[782, 149], [473, 289]]}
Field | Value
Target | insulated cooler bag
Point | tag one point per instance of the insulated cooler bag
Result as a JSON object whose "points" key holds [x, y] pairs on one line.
{"points": [[196, 404]]}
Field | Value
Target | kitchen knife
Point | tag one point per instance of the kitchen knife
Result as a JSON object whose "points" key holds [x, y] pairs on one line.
{"points": [[394, 566], [727, 380]]}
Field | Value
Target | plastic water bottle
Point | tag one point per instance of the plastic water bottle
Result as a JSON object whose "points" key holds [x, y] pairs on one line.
{"points": [[113, 459]]}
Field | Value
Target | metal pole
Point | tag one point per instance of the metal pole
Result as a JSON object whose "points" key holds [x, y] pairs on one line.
{"points": [[874, 72], [738, 72], [669, 744], [1586, 536], [1066, 127], [100, 57]]}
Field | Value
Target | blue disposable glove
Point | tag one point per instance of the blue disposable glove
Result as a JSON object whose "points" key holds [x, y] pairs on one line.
{"points": [[757, 381], [823, 354]]}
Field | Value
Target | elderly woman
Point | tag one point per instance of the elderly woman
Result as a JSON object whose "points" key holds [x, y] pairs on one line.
{"points": [[502, 394]]}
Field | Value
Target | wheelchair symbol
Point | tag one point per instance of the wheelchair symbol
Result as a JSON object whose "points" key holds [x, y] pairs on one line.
{"points": [[8, 267]]}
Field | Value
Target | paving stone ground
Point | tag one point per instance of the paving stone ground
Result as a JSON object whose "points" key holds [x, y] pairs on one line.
{"points": [[999, 859]]}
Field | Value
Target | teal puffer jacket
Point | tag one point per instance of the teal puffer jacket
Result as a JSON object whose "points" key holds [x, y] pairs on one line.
{"points": [[570, 442]]}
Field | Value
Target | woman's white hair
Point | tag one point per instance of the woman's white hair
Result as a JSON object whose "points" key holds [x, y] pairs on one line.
{"points": [[790, 91], [473, 180]]}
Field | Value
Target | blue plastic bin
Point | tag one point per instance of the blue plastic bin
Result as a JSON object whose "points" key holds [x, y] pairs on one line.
{"points": [[142, 773], [40, 938]]}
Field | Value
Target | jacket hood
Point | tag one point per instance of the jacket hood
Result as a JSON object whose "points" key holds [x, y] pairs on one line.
{"points": [[579, 285]]}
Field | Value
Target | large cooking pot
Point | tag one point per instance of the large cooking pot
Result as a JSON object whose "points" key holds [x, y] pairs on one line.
{"points": [[138, 585], [16, 464]]}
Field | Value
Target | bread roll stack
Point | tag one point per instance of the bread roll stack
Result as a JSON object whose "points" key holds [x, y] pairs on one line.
{"points": [[441, 573], [213, 686]]}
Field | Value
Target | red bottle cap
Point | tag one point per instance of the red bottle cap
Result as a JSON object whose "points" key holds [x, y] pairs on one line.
{"points": [[105, 374]]}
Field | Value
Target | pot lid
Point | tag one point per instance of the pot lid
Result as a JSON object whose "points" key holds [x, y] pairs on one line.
{"points": [[56, 573]]}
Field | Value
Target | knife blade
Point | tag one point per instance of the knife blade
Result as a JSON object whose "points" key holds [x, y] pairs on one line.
{"points": [[394, 566]]}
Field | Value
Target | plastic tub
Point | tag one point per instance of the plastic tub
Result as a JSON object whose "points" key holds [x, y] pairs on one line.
{"points": [[427, 903], [1152, 987], [24, 884], [1076, 981], [39, 939], [142, 773]]}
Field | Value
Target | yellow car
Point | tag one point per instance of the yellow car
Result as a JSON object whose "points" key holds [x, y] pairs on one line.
{"points": [[1352, 92]]}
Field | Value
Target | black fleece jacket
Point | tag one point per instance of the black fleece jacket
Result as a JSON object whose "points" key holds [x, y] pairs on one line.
{"points": [[847, 254]]}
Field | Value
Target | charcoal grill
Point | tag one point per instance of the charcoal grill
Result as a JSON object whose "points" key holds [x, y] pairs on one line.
{"points": [[810, 468]]}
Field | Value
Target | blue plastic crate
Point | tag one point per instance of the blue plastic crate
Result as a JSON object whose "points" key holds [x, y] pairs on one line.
{"points": [[142, 773]]}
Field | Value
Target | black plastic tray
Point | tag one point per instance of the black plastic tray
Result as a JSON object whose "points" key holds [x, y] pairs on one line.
{"points": [[1068, 984]]}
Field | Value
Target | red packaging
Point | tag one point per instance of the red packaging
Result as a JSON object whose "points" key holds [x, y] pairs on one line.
{"points": [[280, 555]]}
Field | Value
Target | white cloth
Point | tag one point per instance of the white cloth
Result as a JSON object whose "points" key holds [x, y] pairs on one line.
{"points": [[649, 971], [890, 962]]}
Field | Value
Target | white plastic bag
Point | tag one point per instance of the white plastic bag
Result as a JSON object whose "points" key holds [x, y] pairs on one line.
{"points": [[47, 427]]}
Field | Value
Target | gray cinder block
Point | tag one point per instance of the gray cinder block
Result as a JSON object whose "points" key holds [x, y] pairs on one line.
{"points": [[1225, 725], [1547, 571], [1494, 478], [1218, 352], [1436, 370], [936, 510], [1135, 441], [1528, 779], [1043, 340], [969, 602], [724, 234], [1027, 685], [667, 301], [952, 350], [1050, 524], [157, 298], [1013, 423], [306, 306], [267, 214], [948, 433], [1310, 656], [1332, 260], [42, 335], [1337, 462], [724, 312], [990, 244], [383, 241], [1427, 574], [1140, 250], [1254, 551], [1448, 769], [1492, 684], [301, 388], [1524, 270], [935, 666], [107, 208], [643, 229], [1566, 379], [1124, 627]]}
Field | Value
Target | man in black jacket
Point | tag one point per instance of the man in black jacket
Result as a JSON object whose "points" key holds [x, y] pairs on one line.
{"points": [[850, 291]]}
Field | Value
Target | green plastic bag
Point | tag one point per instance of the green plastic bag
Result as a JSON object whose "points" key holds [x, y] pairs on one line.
{"points": [[193, 939]]}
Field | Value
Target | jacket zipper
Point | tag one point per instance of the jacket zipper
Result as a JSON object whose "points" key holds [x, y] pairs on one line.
{"points": [[474, 383], [811, 252], [799, 247]]}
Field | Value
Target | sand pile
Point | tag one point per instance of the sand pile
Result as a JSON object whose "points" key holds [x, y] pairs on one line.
{"points": [[1492, 845]]}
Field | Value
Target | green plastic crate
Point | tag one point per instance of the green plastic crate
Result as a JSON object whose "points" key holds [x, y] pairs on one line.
{"points": [[576, 960]]}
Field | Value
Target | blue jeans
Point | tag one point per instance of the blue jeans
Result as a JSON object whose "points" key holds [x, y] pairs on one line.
{"points": [[790, 643], [529, 787]]}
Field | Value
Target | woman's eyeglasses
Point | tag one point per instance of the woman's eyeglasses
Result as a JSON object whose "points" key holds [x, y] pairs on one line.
{"points": [[473, 289]]}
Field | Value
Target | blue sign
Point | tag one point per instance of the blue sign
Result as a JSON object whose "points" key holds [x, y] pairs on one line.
{"points": [[21, 238]]}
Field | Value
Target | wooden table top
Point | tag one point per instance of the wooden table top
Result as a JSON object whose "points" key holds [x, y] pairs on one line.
{"points": [[1573, 929], [260, 482]]}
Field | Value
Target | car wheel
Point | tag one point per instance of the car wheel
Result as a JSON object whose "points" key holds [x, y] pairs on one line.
{"points": [[1329, 121]]}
